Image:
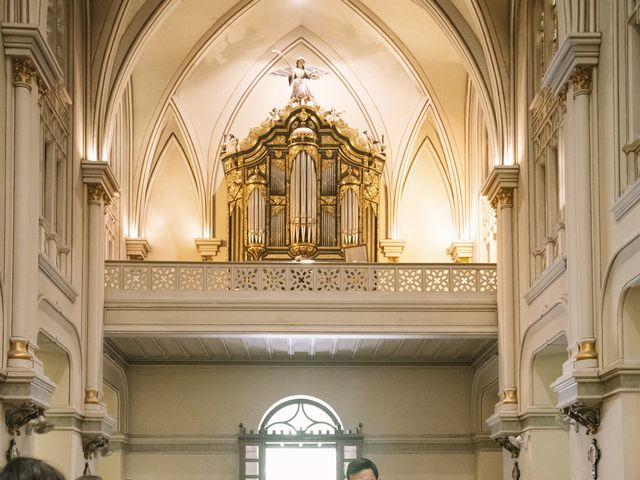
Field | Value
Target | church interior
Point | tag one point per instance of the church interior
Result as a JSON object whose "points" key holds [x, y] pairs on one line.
{"points": [[257, 239]]}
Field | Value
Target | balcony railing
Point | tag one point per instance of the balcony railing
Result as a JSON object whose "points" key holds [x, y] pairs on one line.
{"points": [[300, 277]]}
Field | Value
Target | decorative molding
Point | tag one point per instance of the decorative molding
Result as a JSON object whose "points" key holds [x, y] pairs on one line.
{"points": [[21, 385], [392, 249], [625, 202], [208, 247], [23, 40], [499, 186], [580, 79], [137, 248], [547, 278], [461, 251], [578, 49], [183, 444], [588, 417], [57, 278]]}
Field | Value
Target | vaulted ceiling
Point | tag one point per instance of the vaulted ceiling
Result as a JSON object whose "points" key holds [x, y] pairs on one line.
{"points": [[201, 69]]}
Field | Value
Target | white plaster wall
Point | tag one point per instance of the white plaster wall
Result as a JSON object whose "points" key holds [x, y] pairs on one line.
{"points": [[545, 456], [397, 405]]}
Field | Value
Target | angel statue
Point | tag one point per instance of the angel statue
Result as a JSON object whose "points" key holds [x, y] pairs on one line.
{"points": [[298, 77]]}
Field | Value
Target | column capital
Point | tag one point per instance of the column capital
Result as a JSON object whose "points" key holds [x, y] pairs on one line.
{"points": [[97, 195], [581, 80], [23, 72], [502, 199], [499, 186], [100, 180]]}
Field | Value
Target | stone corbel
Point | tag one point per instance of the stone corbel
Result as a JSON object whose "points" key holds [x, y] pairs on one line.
{"points": [[509, 443], [392, 249], [461, 251], [208, 247], [588, 417], [137, 248]]}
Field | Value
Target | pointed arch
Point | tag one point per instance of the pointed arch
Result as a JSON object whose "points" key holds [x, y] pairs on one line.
{"points": [[170, 131]]}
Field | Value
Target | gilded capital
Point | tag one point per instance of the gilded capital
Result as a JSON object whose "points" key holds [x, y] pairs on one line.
{"points": [[97, 195], [581, 80], [502, 199], [23, 71]]}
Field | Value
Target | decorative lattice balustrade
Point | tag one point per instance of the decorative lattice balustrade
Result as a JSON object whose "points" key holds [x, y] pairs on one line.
{"points": [[296, 277]]}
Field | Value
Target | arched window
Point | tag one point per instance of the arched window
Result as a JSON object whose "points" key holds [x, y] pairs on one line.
{"points": [[298, 436]]}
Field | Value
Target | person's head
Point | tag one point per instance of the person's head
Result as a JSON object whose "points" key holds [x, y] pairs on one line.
{"points": [[25, 468], [362, 469], [300, 62]]}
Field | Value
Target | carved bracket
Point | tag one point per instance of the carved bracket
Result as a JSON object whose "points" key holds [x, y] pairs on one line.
{"points": [[588, 417], [509, 444]]}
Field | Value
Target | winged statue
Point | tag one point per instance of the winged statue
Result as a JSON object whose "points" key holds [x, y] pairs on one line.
{"points": [[298, 76]]}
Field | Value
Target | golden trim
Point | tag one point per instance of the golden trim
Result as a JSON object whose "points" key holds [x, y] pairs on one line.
{"points": [[91, 396], [587, 350], [510, 395], [19, 350]]}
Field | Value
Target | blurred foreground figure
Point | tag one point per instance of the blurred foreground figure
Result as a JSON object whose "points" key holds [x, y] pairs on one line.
{"points": [[25, 468]]}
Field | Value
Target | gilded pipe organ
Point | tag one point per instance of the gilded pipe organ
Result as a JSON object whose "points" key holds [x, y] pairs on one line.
{"points": [[302, 185]]}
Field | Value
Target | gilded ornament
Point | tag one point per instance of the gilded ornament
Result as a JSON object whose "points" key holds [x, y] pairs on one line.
{"points": [[581, 80], [587, 350], [510, 396], [19, 350], [23, 72], [91, 396]]}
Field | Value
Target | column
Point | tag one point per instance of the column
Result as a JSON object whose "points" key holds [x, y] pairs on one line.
{"points": [[502, 203], [581, 256], [499, 189], [25, 220], [95, 293], [101, 187]]}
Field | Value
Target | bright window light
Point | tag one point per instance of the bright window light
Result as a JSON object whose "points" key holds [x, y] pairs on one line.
{"points": [[296, 463]]}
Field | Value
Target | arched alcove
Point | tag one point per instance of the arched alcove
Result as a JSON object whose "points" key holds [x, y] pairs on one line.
{"points": [[173, 218], [630, 317], [425, 215], [546, 368]]}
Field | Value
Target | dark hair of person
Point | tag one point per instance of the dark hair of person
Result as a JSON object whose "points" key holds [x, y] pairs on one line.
{"points": [[25, 468], [358, 465]]}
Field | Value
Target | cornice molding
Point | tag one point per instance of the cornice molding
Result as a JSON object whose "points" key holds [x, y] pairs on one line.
{"points": [[24, 40], [578, 50], [502, 179], [99, 174]]}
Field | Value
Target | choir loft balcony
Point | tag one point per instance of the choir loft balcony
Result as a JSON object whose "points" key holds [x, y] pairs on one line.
{"points": [[275, 298]]}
